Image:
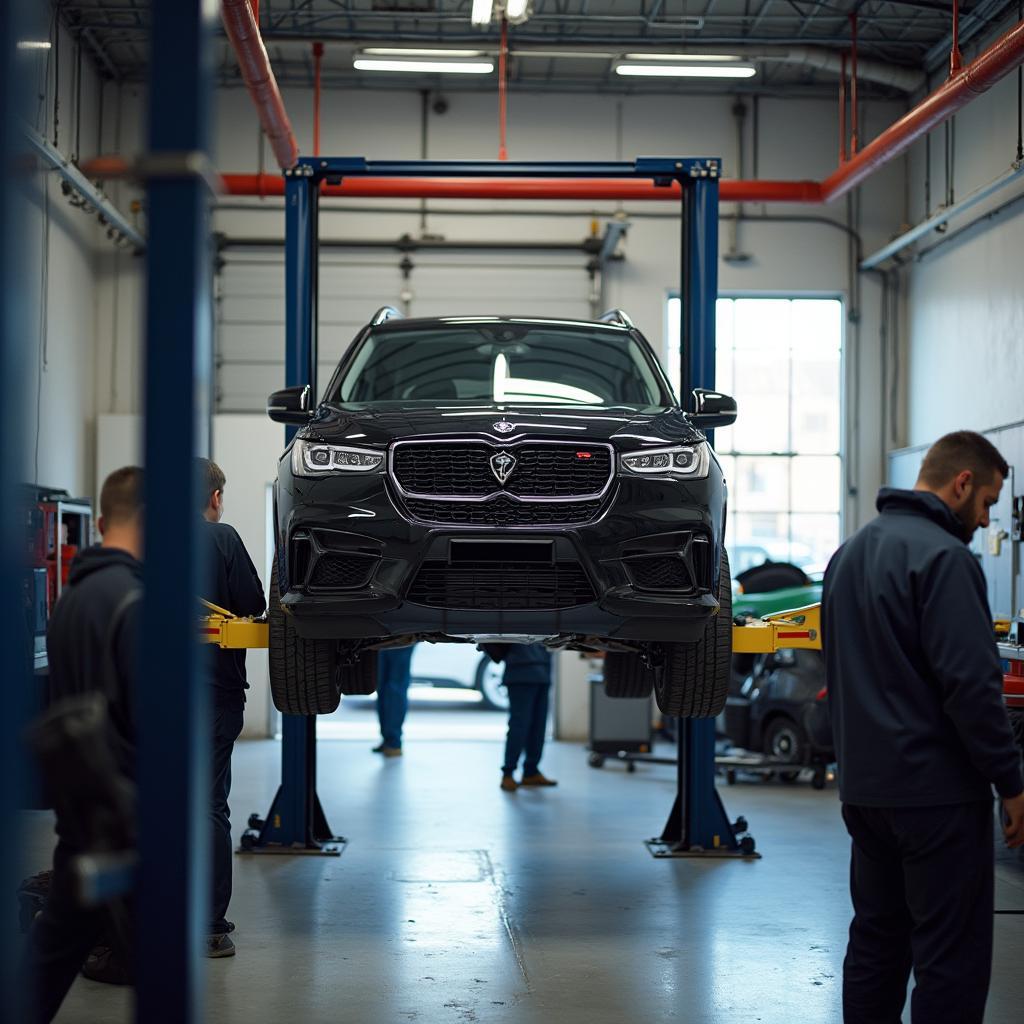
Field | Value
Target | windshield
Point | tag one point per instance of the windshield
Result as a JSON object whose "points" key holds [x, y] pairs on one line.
{"points": [[502, 362]]}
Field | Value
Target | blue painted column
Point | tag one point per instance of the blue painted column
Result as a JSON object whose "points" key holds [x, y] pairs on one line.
{"points": [[15, 348], [173, 891]]}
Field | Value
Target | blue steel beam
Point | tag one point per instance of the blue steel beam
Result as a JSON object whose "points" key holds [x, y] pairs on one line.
{"points": [[172, 902], [15, 643]]}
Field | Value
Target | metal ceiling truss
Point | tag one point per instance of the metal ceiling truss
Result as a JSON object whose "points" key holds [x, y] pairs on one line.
{"points": [[907, 33]]}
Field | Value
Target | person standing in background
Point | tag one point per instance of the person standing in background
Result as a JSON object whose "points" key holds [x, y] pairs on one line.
{"points": [[394, 667], [235, 585], [528, 681]]}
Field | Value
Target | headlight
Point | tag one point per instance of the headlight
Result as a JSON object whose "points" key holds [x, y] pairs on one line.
{"points": [[690, 461], [310, 458]]}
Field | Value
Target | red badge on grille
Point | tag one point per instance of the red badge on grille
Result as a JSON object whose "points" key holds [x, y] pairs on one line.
{"points": [[583, 455]]}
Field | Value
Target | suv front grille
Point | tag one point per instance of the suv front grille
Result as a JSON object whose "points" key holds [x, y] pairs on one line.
{"points": [[498, 586], [503, 512], [463, 469]]}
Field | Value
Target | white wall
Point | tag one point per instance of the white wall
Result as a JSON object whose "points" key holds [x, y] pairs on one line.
{"points": [[965, 303]]}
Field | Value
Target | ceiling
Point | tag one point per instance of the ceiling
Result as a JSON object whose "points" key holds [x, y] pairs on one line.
{"points": [[569, 45]]}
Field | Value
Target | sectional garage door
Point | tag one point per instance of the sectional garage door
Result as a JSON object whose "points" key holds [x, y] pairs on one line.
{"points": [[250, 304]]}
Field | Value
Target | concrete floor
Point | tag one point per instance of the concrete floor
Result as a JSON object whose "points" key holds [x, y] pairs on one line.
{"points": [[457, 903]]}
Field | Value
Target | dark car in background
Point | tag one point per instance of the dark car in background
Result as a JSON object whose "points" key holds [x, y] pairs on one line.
{"points": [[534, 479]]}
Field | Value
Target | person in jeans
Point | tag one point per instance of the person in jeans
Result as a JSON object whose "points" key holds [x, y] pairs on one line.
{"points": [[922, 737], [233, 584], [393, 675], [527, 678]]}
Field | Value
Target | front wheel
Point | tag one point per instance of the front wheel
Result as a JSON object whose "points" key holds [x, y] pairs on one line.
{"points": [[626, 676], [303, 673], [693, 679]]}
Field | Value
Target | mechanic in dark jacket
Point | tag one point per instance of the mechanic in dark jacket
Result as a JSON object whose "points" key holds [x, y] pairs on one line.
{"points": [[527, 678], [922, 736], [92, 647], [234, 585]]}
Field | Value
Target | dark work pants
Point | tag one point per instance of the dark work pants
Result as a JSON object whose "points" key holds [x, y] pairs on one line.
{"points": [[527, 724], [921, 880], [227, 724], [60, 939], [393, 693]]}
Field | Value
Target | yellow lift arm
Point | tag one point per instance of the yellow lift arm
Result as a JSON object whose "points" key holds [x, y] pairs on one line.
{"points": [[224, 629]]}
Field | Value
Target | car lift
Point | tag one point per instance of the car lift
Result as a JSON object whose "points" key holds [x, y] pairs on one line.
{"points": [[698, 824]]}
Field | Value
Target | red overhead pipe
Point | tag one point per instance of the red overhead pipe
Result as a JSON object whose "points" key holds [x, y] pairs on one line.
{"points": [[318, 53], [956, 59], [527, 188], [853, 85], [1005, 54], [503, 90], [244, 34]]}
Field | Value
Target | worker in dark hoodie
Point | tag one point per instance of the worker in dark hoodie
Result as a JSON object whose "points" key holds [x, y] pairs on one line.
{"points": [[922, 738], [92, 647], [234, 584]]}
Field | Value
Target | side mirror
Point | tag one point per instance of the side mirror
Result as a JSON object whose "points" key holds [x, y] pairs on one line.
{"points": [[290, 405], [711, 409]]}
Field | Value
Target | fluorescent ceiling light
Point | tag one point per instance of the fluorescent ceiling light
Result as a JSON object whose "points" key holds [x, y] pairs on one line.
{"points": [[443, 67], [681, 58], [34, 44], [687, 70], [481, 13], [396, 51], [517, 11]]}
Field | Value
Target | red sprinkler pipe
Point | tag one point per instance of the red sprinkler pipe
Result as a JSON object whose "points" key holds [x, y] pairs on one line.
{"points": [[241, 28], [956, 59], [842, 110], [503, 91], [853, 85], [318, 53], [527, 188], [1002, 57]]}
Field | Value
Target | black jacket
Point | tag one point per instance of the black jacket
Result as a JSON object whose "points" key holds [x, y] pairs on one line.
{"points": [[914, 678], [524, 663], [233, 584], [92, 640]]}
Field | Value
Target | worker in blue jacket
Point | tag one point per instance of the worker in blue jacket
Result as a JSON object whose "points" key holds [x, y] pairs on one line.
{"points": [[922, 737], [527, 678]]}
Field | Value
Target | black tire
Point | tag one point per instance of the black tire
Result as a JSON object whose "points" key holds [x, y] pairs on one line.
{"points": [[359, 679], [785, 740], [303, 673], [595, 761], [626, 676], [693, 679]]}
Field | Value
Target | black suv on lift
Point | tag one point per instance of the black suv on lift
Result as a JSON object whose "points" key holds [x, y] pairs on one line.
{"points": [[468, 478]]}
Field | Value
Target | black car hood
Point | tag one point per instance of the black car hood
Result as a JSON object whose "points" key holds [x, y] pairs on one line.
{"points": [[378, 425]]}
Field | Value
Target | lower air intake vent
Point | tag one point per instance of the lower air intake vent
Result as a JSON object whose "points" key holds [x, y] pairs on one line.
{"points": [[504, 512], [669, 573], [335, 571], [501, 586]]}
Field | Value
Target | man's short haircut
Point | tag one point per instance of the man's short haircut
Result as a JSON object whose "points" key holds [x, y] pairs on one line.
{"points": [[121, 496], [211, 480], [954, 453]]}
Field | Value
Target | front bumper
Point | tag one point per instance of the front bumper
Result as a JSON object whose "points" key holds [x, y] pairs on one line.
{"points": [[644, 569]]}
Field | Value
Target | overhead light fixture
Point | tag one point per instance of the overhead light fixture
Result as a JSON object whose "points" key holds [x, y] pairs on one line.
{"points": [[424, 67], [397, 51], [481, 13], [34, 44], [517, 11], [687, 70], [681, 58]]}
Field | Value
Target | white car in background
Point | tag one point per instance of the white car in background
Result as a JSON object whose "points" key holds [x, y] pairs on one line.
{"points": [[460, 666]]}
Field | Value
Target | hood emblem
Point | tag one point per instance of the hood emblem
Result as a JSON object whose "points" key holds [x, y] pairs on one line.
{"points": [[504, 427], [502, 465]]}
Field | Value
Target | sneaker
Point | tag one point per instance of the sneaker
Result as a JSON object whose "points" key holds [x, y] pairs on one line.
{"points": [[537, 780], [388, 751], [219, 946], [509, 784]]}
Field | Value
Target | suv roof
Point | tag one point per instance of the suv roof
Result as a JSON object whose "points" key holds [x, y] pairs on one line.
{"points": [[399, 322]]}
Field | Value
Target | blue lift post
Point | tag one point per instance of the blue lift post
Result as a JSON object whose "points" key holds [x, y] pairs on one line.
{"points": [[172, 891], [698, 821], [15, 643]]}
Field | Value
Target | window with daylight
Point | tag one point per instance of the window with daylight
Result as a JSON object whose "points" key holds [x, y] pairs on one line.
{"points": [[781, 360]]}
